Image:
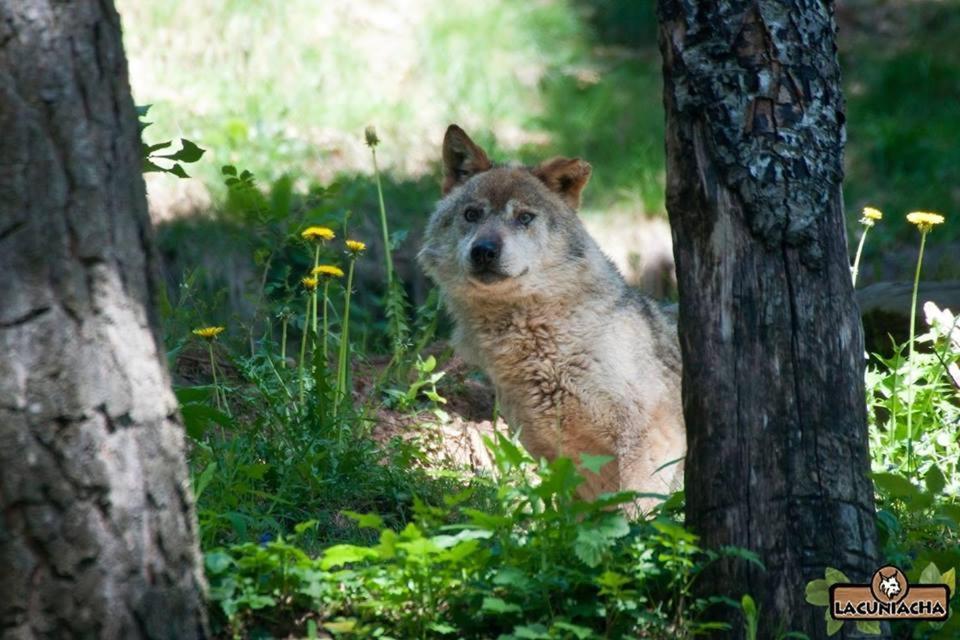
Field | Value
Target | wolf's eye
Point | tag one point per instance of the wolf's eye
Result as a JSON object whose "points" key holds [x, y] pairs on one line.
{"points": [[525, 218], [471, 214]]}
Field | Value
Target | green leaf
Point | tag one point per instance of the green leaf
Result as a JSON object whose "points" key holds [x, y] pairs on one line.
{"points": [[818, 593], [951, 511], [834, 576], [949, 578], [594, 463], [499, 605], [365, 520], [303, 527], [178, 171], [673, 531], [344, 625], [750, 614], [157, 147], [217, 562], [228, 170], [871, 627], [189, 152], [895, 485], [531, 632], [590, 547], [441, 628], [934, 480], [833, 626], [581, 633], [206, 476], [930, 574], [197, 418], [342, 554]]}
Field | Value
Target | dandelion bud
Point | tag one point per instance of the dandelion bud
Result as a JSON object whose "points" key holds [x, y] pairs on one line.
{"points": [[371, 134]]}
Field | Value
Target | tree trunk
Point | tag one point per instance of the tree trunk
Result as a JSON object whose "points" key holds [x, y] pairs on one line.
{"points": [[773, 386], [97, 530]]}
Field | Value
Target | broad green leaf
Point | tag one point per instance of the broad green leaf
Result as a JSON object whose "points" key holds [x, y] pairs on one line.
{"points": [[178, 171], [869, 626], [818, 593], [834, 576], [949, 578], [303, 527], [895, 485], [951, 511], [499, 605], [594, 463], [934, 480], [217, 562], [531, 632], [673, 531], [189, 152], [930, 574], [833, 626], [580, 633], [344, 625], [365, 520], [342, 554]]}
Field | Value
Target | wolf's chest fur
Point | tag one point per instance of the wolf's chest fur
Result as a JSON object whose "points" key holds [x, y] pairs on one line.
{"points": [[562, 377]]}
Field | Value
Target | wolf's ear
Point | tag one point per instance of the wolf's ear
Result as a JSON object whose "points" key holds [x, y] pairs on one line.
{"points": [[566, 177], [462, 158]]}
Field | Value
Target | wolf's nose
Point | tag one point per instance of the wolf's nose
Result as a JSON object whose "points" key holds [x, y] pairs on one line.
{"points": [[483, 253]]}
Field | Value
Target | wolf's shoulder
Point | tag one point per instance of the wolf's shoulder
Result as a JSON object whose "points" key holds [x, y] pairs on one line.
{"points": [[660, 320]]}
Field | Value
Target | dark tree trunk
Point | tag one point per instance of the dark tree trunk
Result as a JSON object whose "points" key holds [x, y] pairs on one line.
{"points": [[773, 386], [97, 532]]}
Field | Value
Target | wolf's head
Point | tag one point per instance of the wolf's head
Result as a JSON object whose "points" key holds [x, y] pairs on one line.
{"points": [[505, 231]]}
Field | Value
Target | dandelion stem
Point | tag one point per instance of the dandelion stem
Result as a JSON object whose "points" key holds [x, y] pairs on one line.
{"points": [[856, 261], [326, 290], [213, 368], [342, 391], [313, 295], [388, 257], [913, 324], [283, 343], [303, 347]]}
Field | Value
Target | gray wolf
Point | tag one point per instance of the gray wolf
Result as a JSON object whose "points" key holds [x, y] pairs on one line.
{"points": [[581, 363]]}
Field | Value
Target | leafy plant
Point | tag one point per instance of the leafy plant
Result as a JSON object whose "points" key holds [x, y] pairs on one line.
{"points": [[537, 563], [188, 153]]}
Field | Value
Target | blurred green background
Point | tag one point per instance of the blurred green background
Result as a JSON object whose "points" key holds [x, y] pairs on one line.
{"points": [[286, 88]]}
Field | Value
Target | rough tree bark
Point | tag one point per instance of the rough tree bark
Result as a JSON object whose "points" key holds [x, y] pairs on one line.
{"points": [[97, 533], [770, 334]]}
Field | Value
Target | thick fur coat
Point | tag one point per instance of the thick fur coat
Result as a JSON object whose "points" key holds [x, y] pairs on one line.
{"points": [[581, 363]]}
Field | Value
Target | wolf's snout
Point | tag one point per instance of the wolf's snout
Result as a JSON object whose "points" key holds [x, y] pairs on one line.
{"points": [[484, 253]]}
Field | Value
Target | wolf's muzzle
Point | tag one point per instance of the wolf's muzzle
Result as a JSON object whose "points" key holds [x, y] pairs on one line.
{"points": [[484, 253]]}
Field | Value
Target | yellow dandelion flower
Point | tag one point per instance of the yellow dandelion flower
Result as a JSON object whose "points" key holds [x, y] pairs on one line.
{"points": [[924, 219], [208, 333], [872, 214], [356, 247], [328, 270], [317, 233], [310, 283]]}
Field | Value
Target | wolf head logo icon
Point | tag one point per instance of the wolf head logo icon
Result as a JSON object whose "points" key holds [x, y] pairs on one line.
{"points": [[889, 585]]}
